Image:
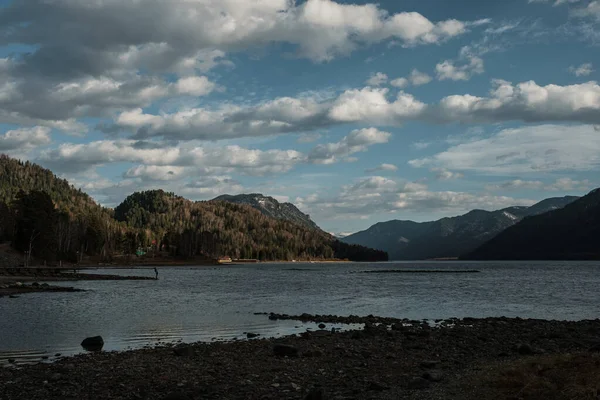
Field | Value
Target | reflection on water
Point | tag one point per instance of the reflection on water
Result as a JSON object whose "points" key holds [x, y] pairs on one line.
{"points": [[204, 304]]}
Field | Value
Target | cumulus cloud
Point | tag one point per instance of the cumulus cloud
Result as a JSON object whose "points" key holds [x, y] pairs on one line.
{"points": [[377, 194], [165, 161], [357, 141], [582, 70], [560, 184], [211, 186], [526, 101], [24, 138], [382, 168], [377, 79], [415, 78], [159, 160], [370, 105], [530, 149], [443, 174], [592, 10], [467, 65]]}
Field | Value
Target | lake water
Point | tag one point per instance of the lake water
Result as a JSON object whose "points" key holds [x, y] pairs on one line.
{"points": [[203, 304]]}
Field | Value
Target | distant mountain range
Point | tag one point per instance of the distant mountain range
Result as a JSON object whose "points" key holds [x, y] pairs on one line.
{"points": [[572, 232], [447, 237], [271, 208]]}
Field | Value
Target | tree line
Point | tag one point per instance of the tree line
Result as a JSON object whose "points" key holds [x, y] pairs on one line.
{"points": [[45, 217]]}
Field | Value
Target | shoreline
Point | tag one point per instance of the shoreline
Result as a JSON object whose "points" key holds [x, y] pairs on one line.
{"points": [[459, 359]]}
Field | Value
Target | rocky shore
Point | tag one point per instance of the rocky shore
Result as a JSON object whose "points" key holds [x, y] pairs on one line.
{"points": [[33, 274], [492, 358], [16, 288]]}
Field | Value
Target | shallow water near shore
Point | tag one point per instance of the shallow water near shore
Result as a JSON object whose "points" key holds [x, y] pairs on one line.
{"points": [[202, 304]]}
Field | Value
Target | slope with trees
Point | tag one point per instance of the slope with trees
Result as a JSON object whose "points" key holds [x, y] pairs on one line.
{"points": [[46, 218], [572, 232]]}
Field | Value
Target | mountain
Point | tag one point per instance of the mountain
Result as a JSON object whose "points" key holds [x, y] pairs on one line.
{"points": [[447, 237], [271, 208], [16, 176], [53, 221], [216, 227], [572, 232]]}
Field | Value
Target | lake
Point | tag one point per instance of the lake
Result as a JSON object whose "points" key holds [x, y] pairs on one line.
{"points": [[205, 303]]}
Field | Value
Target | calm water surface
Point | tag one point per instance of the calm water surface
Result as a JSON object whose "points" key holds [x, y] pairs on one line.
{"points": [[203, 304]]}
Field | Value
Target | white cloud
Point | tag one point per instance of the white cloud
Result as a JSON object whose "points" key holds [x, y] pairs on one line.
{"points": [[556, 2], [415, 78], [195, 86], [526, 101], [443, 174], [161, 161], [377, 194], [582, 70], [382, 168], [516, 184], [400, 83], [377, 79], [530, 149], [592, 10], [357, 141], [371, 106], [418, 78], [567, 184], [560, 184], [24, 138], [471, 65], [421, 145]]}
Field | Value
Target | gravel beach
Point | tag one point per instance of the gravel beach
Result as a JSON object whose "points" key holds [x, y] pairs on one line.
{"points": [[389, 359]]}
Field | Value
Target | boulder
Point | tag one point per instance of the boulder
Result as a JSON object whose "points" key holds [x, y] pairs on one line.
{"points": [[433, 376], [284, 350], [184, 351], [428, 364], [525, 349], [176, 396], [315, 394], [251, 335], [94, 343], [419, 383]]}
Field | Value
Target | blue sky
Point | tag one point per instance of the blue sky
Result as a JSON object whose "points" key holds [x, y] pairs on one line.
{"points": [[354, 111]]}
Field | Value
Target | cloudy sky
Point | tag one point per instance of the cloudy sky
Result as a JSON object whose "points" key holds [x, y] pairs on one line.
{"points": [[356, 112]]}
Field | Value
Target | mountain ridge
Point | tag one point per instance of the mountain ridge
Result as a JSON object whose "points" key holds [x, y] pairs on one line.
{"points": [[271, 207], [571, 232], [447, 237]]}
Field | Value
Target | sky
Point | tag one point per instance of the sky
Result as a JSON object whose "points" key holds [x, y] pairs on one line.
{"points": [[356, 112]]}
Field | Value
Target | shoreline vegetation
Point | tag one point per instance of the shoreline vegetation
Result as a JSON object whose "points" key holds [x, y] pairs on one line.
{"points": [[488, 358]]}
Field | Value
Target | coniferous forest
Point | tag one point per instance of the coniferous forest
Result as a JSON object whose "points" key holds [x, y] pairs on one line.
{"points": [[47, 218]]}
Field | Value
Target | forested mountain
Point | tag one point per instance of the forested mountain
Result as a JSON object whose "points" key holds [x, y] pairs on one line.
{"points": [[271, 208], [238, 230], [447, 237], [16, 176], [572, 232], [45, 216]]}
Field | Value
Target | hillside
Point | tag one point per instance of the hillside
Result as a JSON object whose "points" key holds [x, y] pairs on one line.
{"points": [[572, 232], [271, 208], [211, 228], [16, 175], [46, 216], [447, 237]]}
